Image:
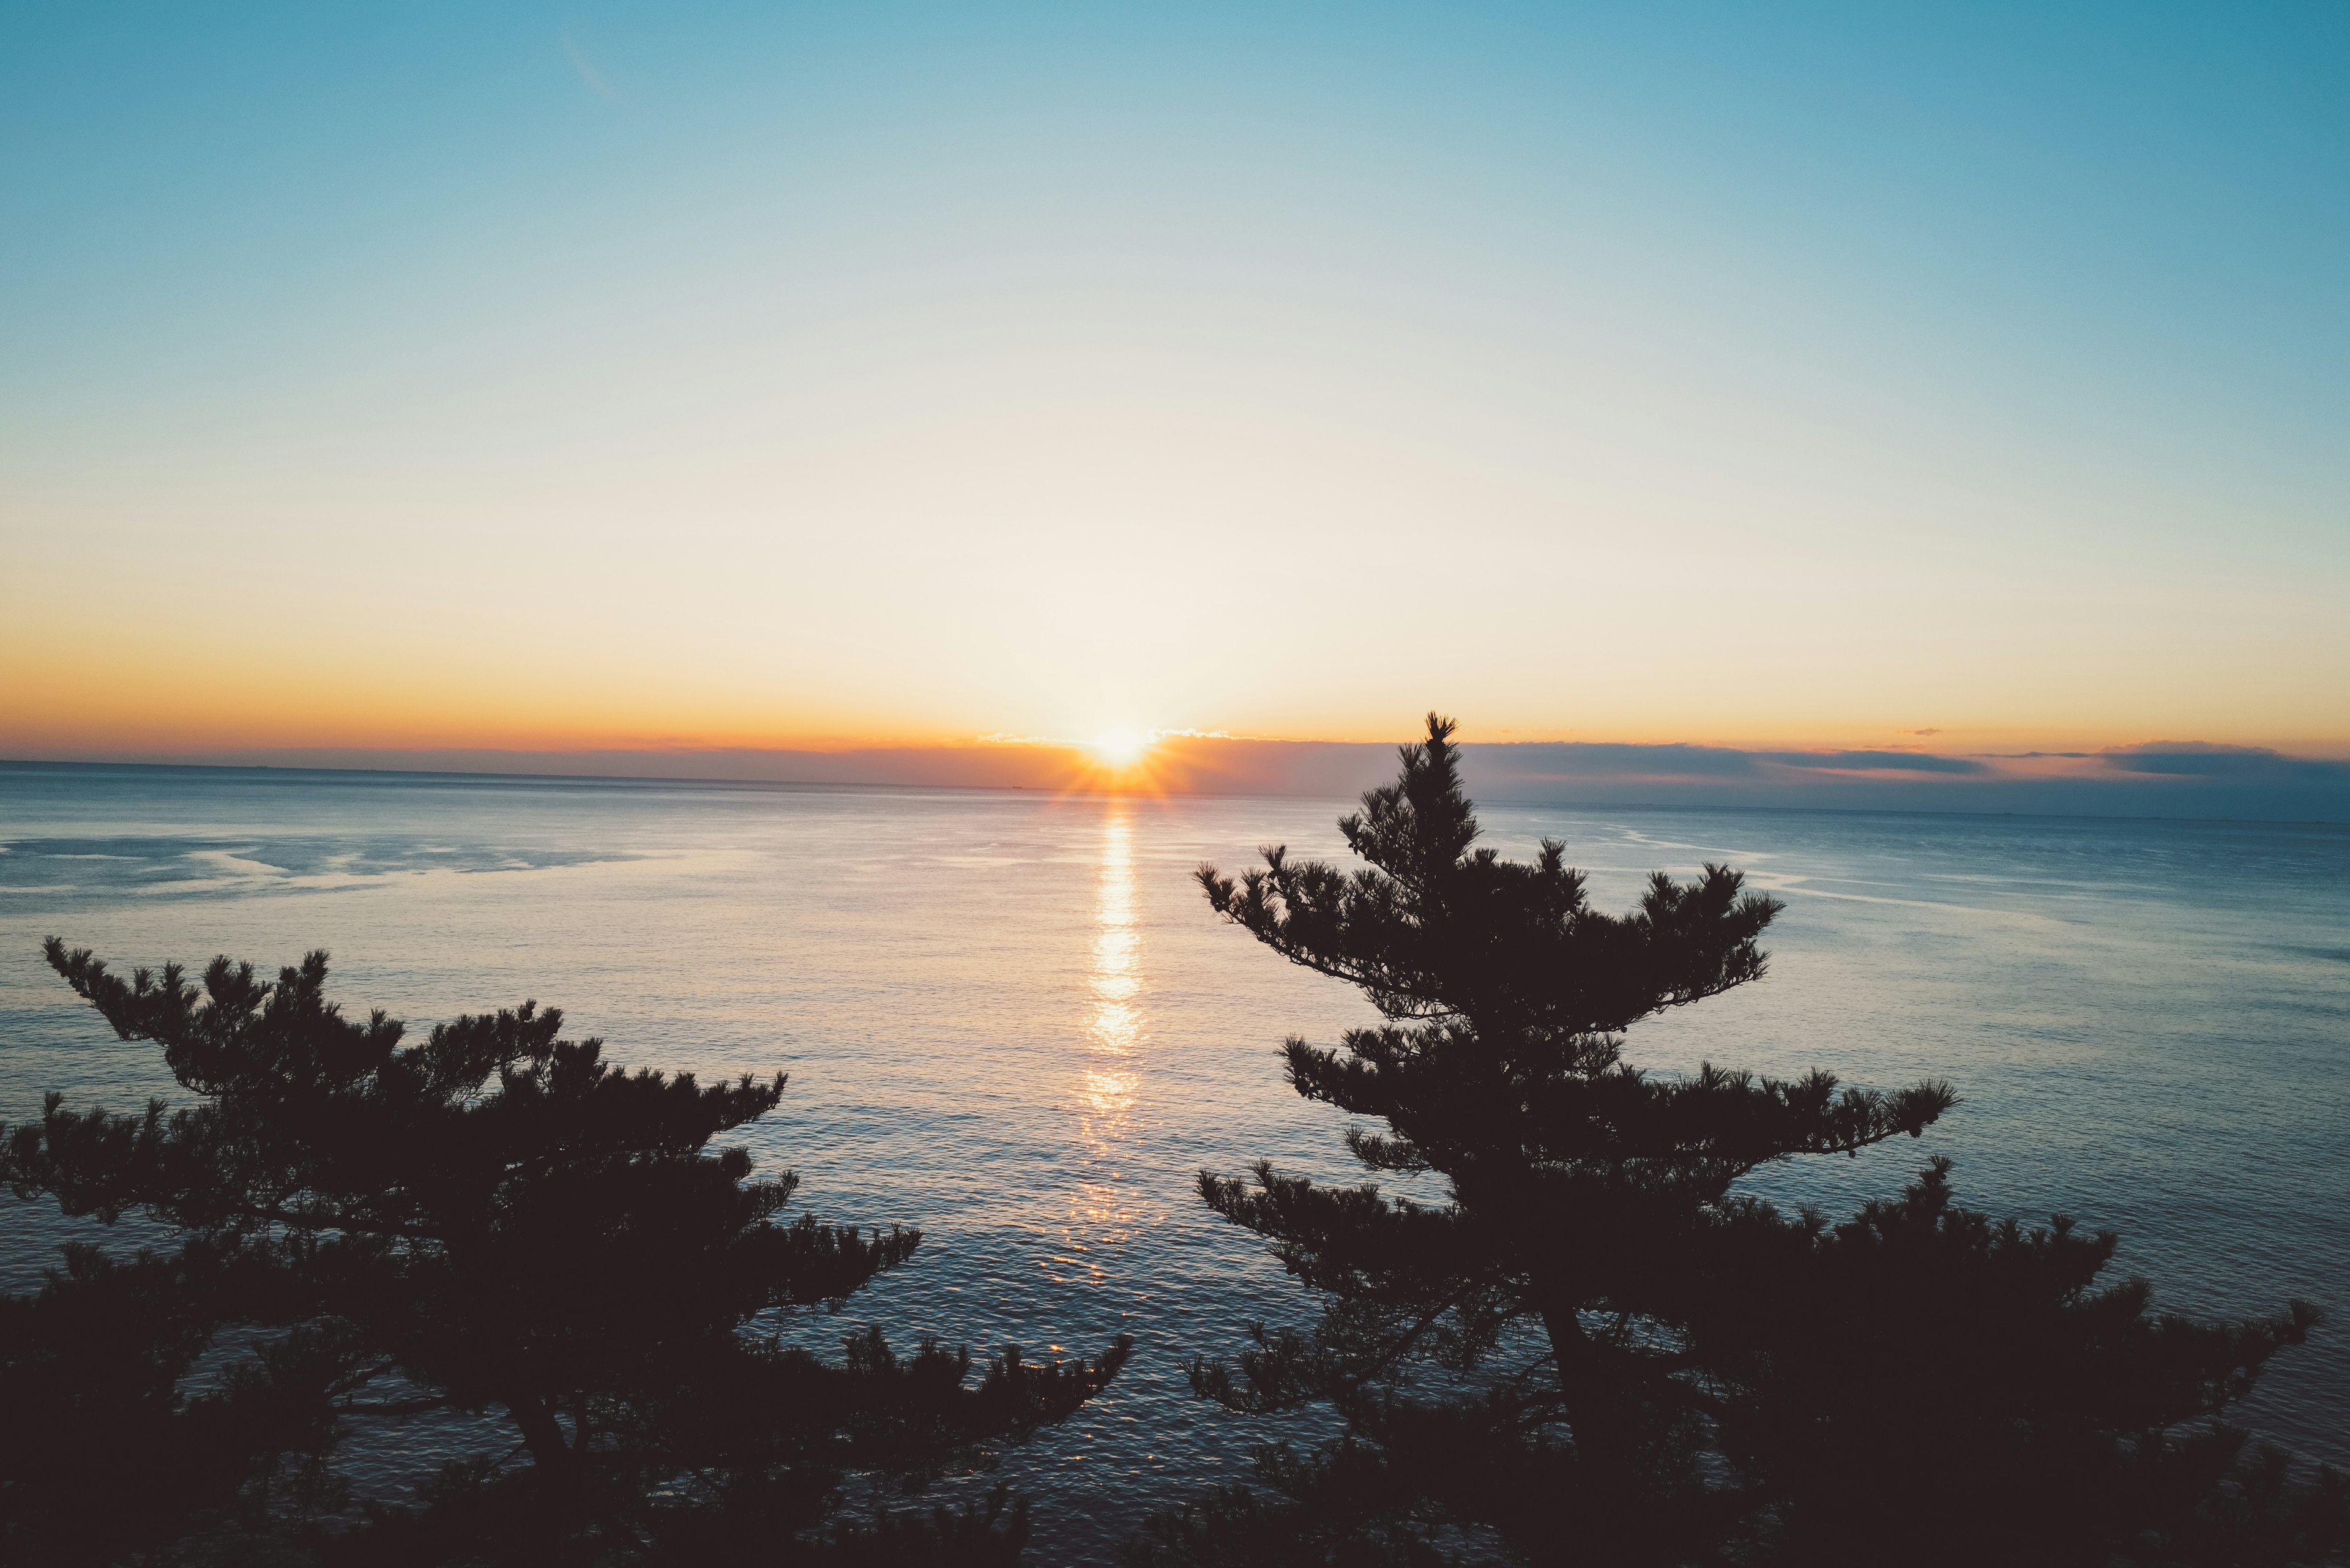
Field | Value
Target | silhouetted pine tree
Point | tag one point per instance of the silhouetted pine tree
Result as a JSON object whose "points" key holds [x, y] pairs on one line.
{"points": [[1590, 1350], [494, 1218], [1875, 1374], [101, 1449]]}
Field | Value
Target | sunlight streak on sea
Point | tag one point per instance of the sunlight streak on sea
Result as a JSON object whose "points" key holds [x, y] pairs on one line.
{"points": [[1012, 1020]]}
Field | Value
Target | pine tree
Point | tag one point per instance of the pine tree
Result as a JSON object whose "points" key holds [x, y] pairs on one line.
{"points": [[1875, 1371], [102, 1451], [1590, 1349], [494, 1218]]}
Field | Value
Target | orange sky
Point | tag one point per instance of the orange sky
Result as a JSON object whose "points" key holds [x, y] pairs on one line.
{"points": [[818, 386]]}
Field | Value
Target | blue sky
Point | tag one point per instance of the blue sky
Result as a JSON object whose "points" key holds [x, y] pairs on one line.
{"points": [[1766, 376]]}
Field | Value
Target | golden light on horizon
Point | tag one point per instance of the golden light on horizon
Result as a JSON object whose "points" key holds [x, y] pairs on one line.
{"points": [[1121, 748]]}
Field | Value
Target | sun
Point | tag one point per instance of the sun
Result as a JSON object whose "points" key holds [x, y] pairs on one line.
{"points": [[1121, 748]]}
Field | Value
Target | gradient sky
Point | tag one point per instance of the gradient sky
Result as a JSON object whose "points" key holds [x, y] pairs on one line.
{"points": [[758, 375]]}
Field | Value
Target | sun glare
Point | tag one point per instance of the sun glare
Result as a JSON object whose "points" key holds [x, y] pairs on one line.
{"points": [[1121, 748]]}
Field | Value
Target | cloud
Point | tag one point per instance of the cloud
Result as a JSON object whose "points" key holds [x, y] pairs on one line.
{"points": [[1599, 758], [2202, 760], [1875, 762], [2181, 779], [1584, 759], [588, 74]]}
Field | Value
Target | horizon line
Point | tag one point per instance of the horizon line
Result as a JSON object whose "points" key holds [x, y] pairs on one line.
{"points": [[1335, 795]]}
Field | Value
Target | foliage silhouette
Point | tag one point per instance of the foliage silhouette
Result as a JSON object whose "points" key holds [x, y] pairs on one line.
{"points": [[1591, 1350], [493, 1219]]}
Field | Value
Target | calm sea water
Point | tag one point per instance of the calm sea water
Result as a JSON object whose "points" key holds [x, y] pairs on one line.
{"points": [[1010, 1020]]}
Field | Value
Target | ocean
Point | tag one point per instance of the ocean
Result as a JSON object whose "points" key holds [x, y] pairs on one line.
{"points": [[1010, 1019]]}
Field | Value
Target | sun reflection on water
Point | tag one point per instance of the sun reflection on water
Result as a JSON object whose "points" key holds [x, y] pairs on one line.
{"points": [[1101, 1209]]}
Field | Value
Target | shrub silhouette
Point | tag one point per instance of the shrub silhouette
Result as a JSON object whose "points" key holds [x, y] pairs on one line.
{"points": [[493, 1219]]}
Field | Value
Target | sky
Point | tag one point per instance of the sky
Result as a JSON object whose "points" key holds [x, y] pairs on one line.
{"points": [[448, 378]]}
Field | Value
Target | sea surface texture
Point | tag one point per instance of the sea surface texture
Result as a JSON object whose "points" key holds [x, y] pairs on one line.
{"points": [[1012, 1020]]}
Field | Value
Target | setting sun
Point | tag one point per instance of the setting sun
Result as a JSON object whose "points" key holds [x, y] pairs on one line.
{"points": [[1121, 748]]}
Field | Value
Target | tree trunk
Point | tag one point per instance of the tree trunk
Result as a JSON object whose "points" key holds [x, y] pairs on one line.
{"points": [[541, 1433], [1612, 1503]]}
